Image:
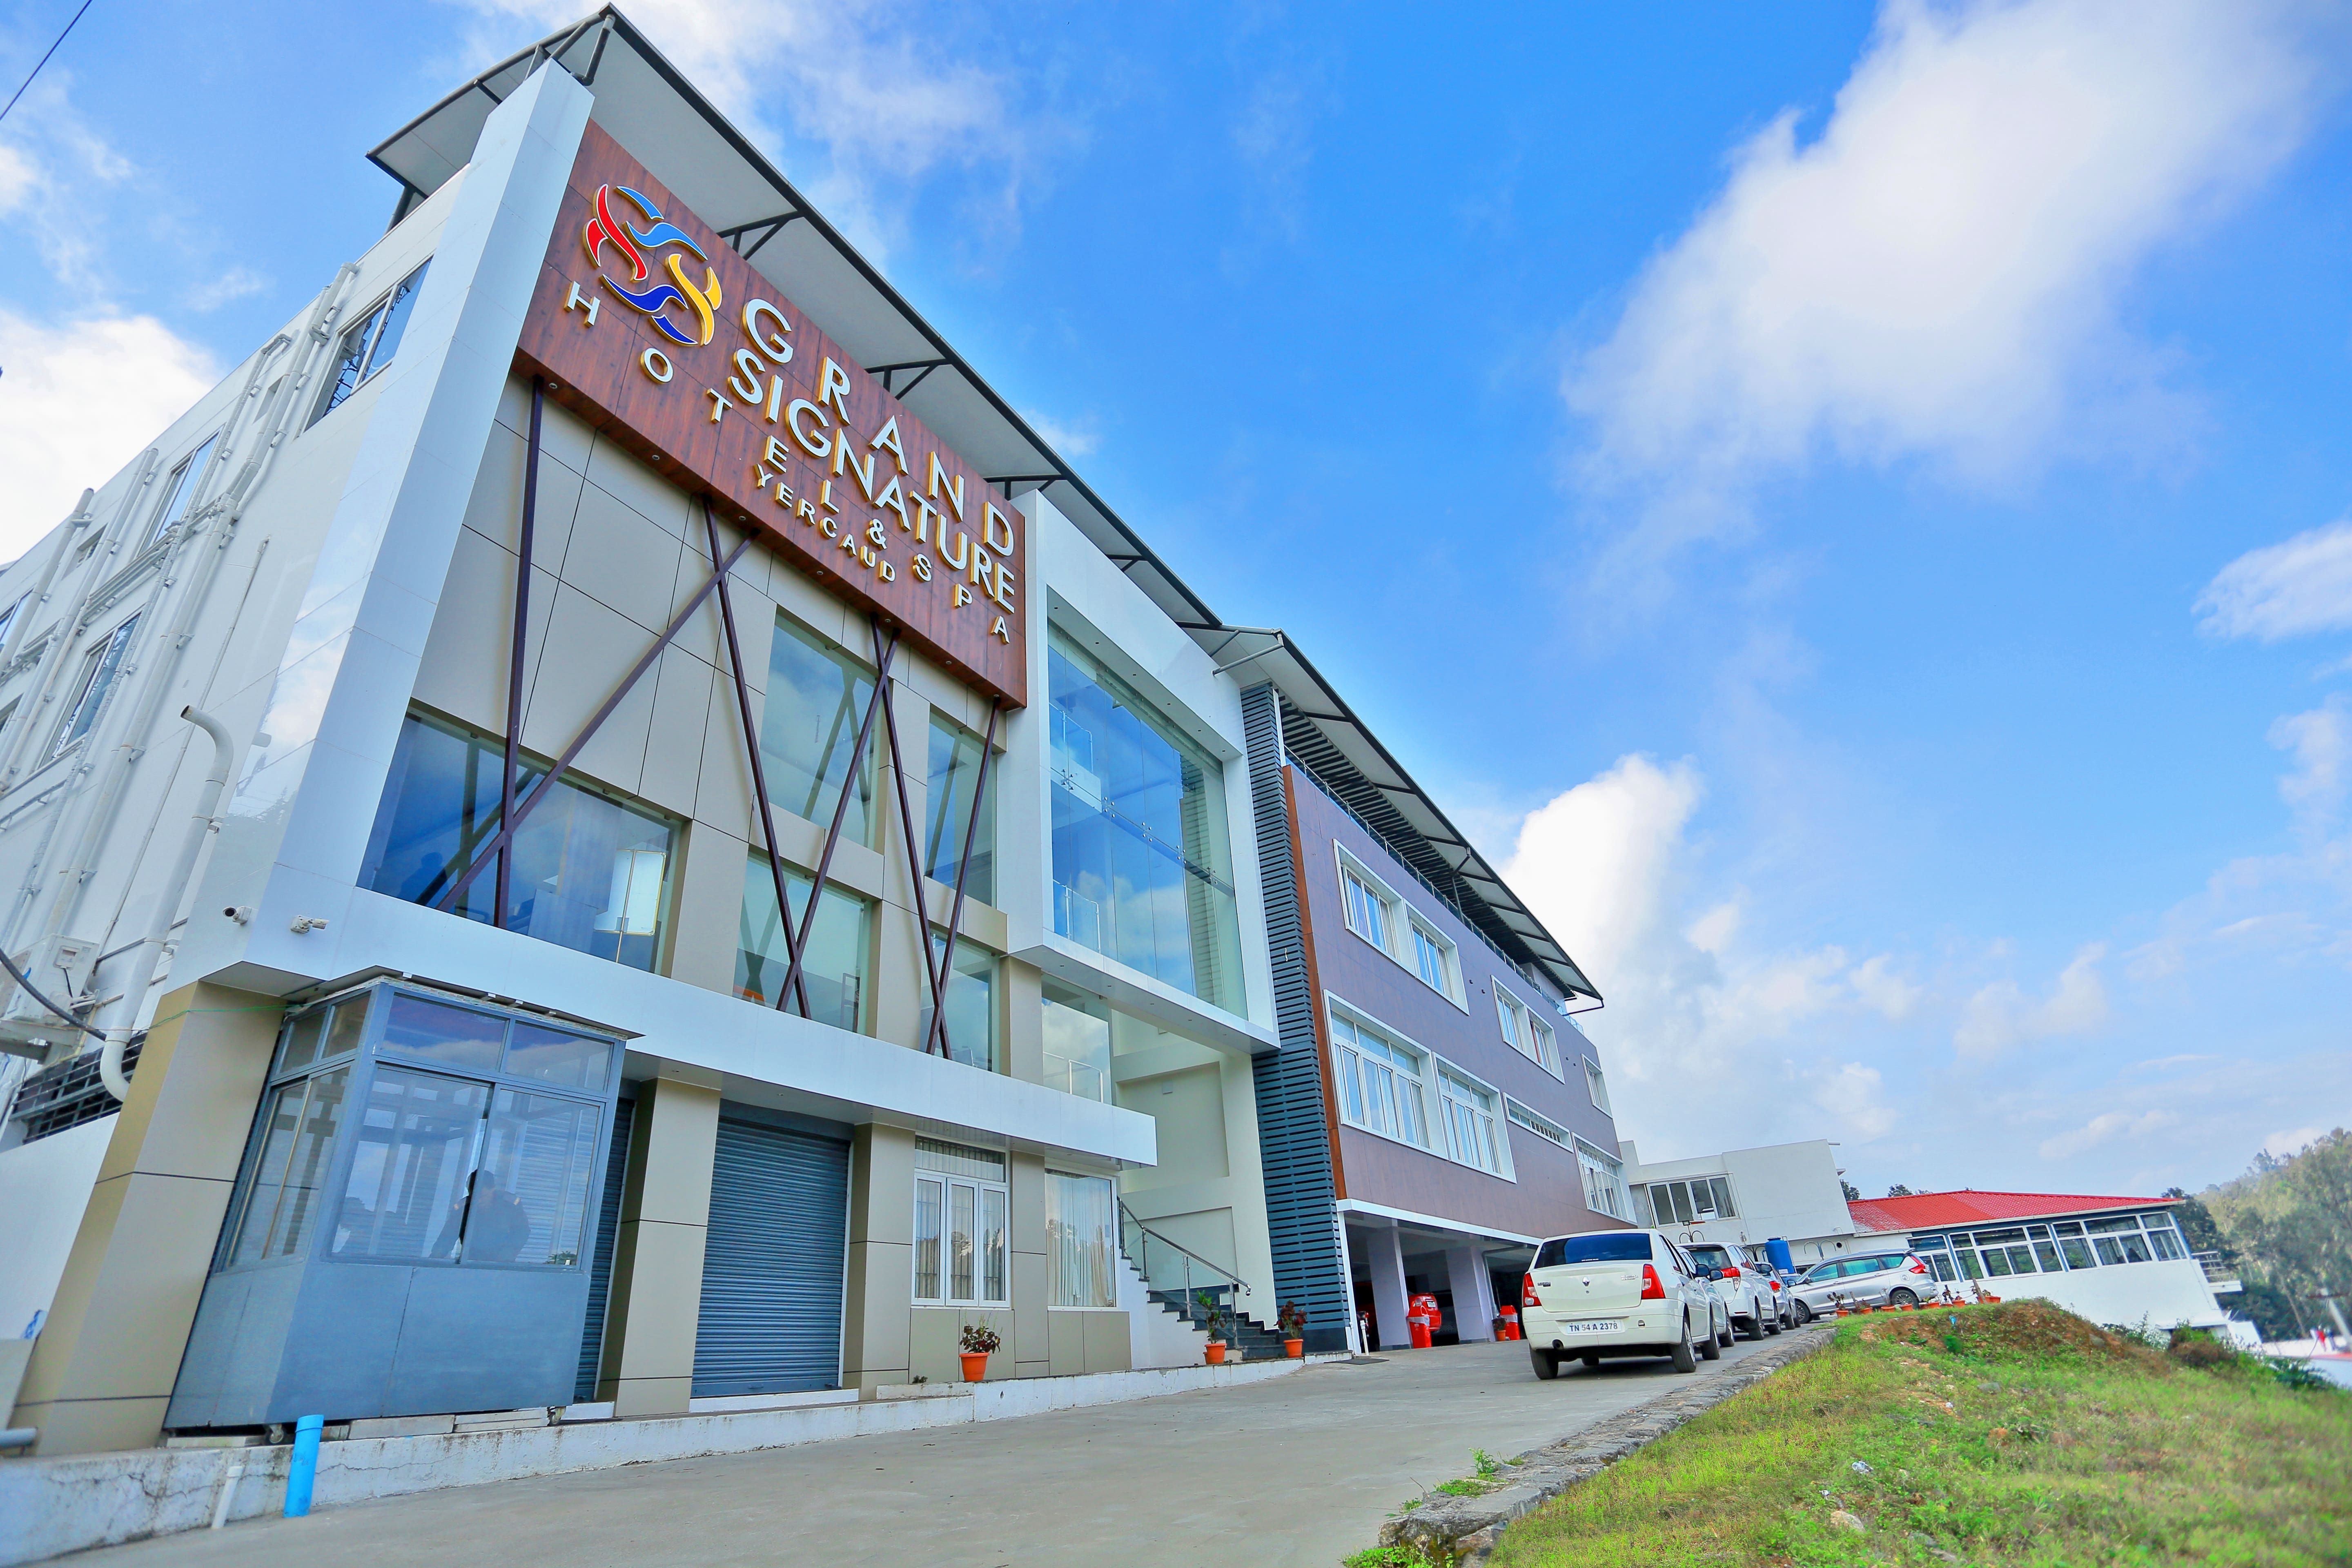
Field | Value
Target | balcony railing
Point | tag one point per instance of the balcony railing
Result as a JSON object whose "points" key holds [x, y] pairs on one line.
{"points": [[2222, 1276]]}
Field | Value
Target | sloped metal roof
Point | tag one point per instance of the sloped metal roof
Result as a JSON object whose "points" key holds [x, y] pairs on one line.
{"points": [[650, 108]]}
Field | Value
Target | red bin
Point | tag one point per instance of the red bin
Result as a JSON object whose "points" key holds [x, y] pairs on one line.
{"points": [[1422, 1317]]}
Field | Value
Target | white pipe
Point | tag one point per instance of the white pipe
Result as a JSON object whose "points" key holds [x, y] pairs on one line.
{"points": [[167, 905], [227, 1497]]}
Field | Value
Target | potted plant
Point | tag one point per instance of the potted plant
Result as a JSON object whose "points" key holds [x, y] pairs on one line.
{"points": [[1294, 1329], [1213, 1319], [980, 1343]]}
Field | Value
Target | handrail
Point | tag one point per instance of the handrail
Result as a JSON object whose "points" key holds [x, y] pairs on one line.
{"points": [[1128, 1216]]}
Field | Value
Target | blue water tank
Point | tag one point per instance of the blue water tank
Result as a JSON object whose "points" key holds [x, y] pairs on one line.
{"points": [[1777, 1251]]}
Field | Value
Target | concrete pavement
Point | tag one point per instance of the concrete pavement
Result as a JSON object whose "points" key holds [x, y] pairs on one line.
{"points": [[1297, 1471]]}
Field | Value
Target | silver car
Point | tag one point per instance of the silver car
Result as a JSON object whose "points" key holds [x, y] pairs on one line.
{"points": [[1748, 1291], [1865, 1279]]}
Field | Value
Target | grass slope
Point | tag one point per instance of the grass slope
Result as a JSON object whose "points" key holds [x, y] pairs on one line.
{"points": [[2014, 1434]]}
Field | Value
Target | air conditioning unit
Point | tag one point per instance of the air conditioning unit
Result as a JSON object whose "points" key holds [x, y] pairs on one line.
{"points": [[60, 968]]}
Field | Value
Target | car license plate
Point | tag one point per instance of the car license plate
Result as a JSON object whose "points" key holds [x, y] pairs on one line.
{"points": [[1590, 1326]]}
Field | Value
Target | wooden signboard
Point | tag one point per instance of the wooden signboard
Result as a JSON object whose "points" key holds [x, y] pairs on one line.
{"points": [[649, 325]]}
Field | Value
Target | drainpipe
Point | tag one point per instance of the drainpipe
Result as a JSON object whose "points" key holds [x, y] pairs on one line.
{"points": [[167, 905]]}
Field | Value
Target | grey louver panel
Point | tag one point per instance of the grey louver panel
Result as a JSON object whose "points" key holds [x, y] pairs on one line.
{"points": [[772, 1268], [1294, 1138]]}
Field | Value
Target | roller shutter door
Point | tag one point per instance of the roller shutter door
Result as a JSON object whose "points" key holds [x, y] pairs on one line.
{"points": [[600, 1260], [771, 1269]]}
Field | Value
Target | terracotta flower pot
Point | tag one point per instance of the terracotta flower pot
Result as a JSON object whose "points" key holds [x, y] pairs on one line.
{"points": [[1216, 1352], [1294, 1349], [975, 1367]]}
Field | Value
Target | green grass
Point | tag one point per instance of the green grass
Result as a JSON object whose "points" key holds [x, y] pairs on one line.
{"points": [[2017, 1434]]}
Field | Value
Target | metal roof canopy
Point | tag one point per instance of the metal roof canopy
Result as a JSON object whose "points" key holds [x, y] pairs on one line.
{"points": [[653, 111]]}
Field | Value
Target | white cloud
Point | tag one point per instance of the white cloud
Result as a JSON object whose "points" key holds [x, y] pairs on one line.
{"points": [[1071, 440], [2000, 1016], [79, 400], [1705, 1032], [888, 100], [236, 283], [2320, 741], [1937, 276], [2103, 1128], [2279, 1145], [1885, 993], [2284, 590]]}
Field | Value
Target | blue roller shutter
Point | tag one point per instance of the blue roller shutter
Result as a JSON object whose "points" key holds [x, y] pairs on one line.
{"points": [[771, 1269], [600, 1260]]}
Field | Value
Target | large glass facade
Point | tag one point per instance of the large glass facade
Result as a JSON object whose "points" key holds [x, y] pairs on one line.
{"points": [[953, 773], [808, 733], [834, 962], [1082, 1240], [971, 1004], [1142, 867], [590, 872], [1078, 1042]]}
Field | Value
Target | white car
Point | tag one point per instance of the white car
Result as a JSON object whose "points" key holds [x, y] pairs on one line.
{"points": [[1619, 1293], [1750, 1294]]}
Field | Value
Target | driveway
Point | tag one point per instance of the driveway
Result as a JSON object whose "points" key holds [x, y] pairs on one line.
{"points": [[1296, 1470]]}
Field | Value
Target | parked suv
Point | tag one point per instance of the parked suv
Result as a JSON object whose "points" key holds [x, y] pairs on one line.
{"points": [[1867, 1279], [1619, 1293], [1749, 1293]]}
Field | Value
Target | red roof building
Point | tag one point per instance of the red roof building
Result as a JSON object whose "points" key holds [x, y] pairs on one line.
{"points": [[1923, 1211]]}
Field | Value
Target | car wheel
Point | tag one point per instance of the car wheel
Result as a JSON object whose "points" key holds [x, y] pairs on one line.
{"points": [[1803, 1313], [1711, 1347], [1755, 1322], [1900, 1298], [1728, 1336], [1547, 1364], [1771, 1320], [1686, 1353]]}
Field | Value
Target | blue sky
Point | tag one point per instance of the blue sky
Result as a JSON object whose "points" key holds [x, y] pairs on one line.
{"points": [[1843, 499]]}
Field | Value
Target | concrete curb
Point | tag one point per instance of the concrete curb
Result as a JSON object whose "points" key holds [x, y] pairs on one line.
{"points": [[50, 1507], [1463, 1531]]}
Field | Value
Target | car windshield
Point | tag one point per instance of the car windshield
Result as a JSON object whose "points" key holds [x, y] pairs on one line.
{"points": [[1608, 1247], [1710, 1257]]}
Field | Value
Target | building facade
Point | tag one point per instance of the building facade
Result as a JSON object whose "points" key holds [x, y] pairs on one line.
{"points": [[1446, 1111], [713, 861], [1746, 1198], [2108, 1259]]}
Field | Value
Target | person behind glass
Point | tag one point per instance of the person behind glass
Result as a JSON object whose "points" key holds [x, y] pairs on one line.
{"points": [[495, 1229]]}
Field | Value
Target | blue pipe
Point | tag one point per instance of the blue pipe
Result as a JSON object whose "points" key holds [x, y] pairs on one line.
{"points": [[303, 1471]]}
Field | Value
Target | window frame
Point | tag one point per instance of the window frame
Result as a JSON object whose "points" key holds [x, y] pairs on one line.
{"points": [[1053, 1275], [948, 1181], [372, 323], [1596, 1087], [1543, 1048], [94, 661], [187, 478], [1402, 922], [357, 1057], [1468, 1088], [1363, 1023]]}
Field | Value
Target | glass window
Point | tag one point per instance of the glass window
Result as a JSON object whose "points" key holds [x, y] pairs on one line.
{"points": [[1608, 1247], [1434, 960], [302, 1037], [405, 1196], [530, 1189], [8, 618], [1524, 1033], [954, 770], [1078, 1042], [99, 668], [817, 701], [1604, 1181], [2045, 1253], [962, 1203], [1469, 1113], [284, 1181], [1081, 1240], [971, 1004], [370, 344], [1142, 869], [1368, 912], [181, 488], [2076, 1252], [1596, 1085], [451, 1036], [590, 872], [1386, 1081], [552, 1055], [350, 1023], [833, 962], [2167, 1243]]}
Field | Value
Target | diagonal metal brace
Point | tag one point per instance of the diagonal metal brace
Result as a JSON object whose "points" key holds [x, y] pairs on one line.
{"points": [[508, 828], [751, 750], [963, 869], [914, 846], [840, 814]]}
